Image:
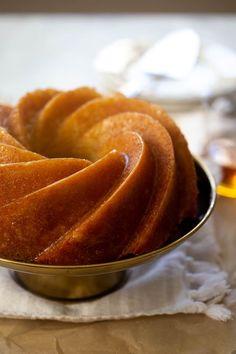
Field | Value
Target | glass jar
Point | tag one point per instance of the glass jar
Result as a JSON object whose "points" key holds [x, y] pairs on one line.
{"points": [[220, 147]]}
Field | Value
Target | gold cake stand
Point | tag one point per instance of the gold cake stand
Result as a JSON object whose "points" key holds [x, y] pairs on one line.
{"points": [[87, 281]]}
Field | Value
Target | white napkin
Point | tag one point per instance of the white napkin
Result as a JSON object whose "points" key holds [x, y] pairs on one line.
{"points": [[187, 280]]}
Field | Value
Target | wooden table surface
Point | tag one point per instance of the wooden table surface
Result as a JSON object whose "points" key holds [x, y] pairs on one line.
{"points": [[59, 51]]}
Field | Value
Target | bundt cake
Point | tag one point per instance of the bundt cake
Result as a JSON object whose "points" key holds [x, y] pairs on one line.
{"points": [[88, 179]]}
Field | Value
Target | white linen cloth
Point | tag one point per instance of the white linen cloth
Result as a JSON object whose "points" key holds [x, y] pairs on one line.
{"points": [[189, 279]]}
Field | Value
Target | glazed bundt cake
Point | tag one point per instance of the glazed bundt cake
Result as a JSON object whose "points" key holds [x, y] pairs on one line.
{"points": [[88, 179]]}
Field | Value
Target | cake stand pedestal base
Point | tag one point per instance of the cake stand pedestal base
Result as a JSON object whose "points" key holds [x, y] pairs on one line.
{"points": [[63, 287]]}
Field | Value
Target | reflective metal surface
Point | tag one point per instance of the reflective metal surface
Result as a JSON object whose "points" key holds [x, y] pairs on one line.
{"points": [[77, 282], [62, 287]]}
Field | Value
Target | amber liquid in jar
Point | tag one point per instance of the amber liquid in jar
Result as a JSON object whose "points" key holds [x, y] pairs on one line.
{"points": [[222, 152]]}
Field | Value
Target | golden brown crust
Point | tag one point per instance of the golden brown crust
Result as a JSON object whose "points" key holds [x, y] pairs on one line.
{"points": [[5, 112], [24, 115], [140, 186]]}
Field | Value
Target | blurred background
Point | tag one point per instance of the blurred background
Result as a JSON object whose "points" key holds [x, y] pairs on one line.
{"points": [[95, 6]]}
